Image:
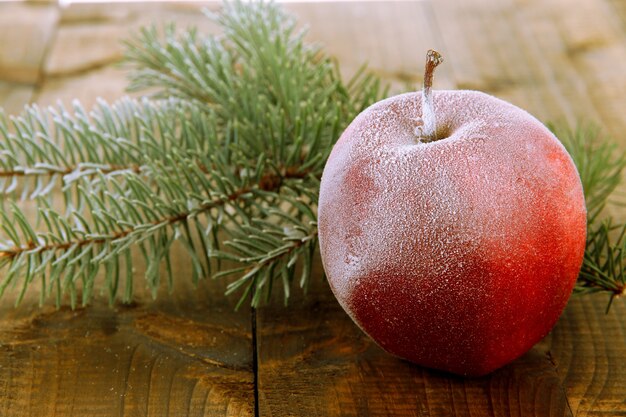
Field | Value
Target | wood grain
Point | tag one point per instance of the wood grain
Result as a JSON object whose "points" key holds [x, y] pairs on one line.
{"points": [[190, 354], [26, 30], [313, 350], [186, 354], [14, 96], [588, 348], [84, 59], [363, 33], [533, 54]]}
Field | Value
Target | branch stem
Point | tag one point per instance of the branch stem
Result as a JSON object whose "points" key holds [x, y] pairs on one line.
{"points": [[37, 173], [269, 182]]}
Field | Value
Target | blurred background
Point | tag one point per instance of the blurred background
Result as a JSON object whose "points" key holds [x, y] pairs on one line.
{"points": [[565, 64], [559, 61]]}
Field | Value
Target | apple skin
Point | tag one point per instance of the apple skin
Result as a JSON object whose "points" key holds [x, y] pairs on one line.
{"points": [[457, 254]]}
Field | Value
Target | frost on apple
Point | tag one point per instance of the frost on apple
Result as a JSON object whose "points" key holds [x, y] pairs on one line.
{"points": [[458, 253]]}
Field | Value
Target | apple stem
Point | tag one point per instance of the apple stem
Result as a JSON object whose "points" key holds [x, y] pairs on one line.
{"points": [[428, 131]]}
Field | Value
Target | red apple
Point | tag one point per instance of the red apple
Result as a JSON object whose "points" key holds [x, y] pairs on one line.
{"points": [[454, 242]]}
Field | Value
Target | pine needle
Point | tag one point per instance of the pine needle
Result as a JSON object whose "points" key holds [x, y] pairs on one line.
{"points": [[601, 167], [231, 145], [224, 157]]}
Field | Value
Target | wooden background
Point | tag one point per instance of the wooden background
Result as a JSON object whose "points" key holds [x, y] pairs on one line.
{"points": [[191, 354]]}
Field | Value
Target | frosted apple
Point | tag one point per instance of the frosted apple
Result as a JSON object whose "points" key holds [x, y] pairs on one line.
{"points": [[452, 227]]}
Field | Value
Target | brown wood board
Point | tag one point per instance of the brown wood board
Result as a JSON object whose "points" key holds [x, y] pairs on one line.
{"points": [[190, 353]]}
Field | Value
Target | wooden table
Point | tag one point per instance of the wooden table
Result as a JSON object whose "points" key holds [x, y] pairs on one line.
{"points": [[191, 354]]}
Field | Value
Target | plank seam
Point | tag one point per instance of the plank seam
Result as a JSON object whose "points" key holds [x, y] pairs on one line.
{"points": [[255, 361], [42, 77]]}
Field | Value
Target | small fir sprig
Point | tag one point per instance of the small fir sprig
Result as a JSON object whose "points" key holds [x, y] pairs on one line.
{"points": [[601, 166], [224, 158]]}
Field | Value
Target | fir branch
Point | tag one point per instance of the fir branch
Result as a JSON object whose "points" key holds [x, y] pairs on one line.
{"points": [[270, 248], [604, 267], [286, 98], [123, 218], [234, 143], [601, 166], [599, 162], [186, 165], [42, 149], [31, 246]]}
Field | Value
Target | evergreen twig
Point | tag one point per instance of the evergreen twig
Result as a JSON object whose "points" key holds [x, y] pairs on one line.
{"points": [[225, 158], [601, 167], [233, 143]]}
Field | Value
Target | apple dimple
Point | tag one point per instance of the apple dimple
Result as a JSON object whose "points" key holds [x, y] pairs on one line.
{"points": [[458, 253]]}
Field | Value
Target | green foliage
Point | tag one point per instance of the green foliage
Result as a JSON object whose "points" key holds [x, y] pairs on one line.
{"points": [[224, 158], [600, 164], [601, 167], [603, 267]]}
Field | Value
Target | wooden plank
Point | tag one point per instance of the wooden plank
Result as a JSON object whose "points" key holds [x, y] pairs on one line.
{"points": [[25, 32], [312, 350], [502, 57], [314, 359], [25, 29], [14, 96], [567, 62], [108, 83], [589, 350], [81, 47], [190, 354], [82, 62], [185, 354], [391, 37]]}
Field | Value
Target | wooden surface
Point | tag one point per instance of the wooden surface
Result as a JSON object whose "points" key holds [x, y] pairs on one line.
{"points": [[191, 354]]}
